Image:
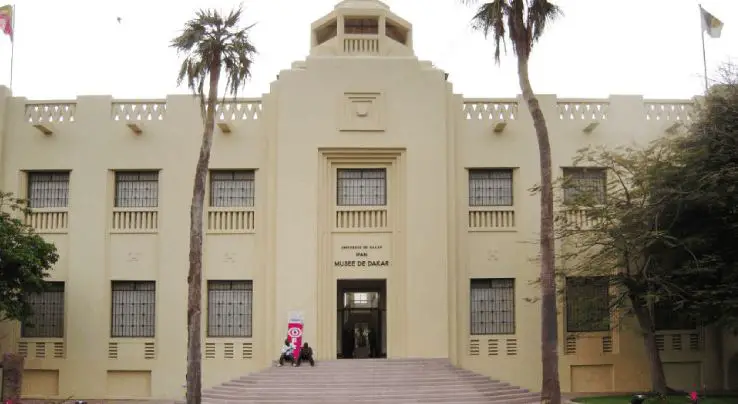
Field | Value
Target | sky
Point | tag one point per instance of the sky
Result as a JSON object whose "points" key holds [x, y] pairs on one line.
{"points": [[599, 47]]}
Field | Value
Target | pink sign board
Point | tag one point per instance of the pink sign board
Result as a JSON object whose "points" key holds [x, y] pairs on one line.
{"points": [[294, 332]]}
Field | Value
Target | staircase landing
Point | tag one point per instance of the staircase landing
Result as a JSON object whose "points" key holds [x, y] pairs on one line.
{"points": [[368, 381]]}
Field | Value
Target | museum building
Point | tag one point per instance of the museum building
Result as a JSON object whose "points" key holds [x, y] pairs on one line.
{"points": [[361, 193]]}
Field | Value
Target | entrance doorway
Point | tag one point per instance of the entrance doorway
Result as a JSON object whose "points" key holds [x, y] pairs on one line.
{"points": [[362, 318]]}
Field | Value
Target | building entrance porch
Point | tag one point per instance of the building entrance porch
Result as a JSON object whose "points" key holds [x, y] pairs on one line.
{"points": [[362, 319]]}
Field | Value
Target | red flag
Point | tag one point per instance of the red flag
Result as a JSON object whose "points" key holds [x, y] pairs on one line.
{"points": [[6, 20]]}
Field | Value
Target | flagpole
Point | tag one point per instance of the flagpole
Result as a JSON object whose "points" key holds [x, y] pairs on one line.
{"points": [[12, 45], [704, 53]]}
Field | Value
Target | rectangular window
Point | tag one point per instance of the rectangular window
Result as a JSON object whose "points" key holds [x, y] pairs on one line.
{"points": [[136, 189], [232, 189], [361, 26], [47, 318], [492, 306], [362, 187], [48, 189], [230, 308], [587, 304], [134, 309], [589, 182], [668, 317], [490, 187]]}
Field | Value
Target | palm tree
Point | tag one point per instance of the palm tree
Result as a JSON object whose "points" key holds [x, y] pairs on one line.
{"points": [[212, 44], [522, 22]]}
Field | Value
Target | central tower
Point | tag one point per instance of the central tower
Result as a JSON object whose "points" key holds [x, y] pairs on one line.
{"points": [[361, 27]]}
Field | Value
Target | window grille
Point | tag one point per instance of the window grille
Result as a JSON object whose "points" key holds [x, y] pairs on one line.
{"points": [[667, 316], [136, 189], [230, 308], [492, 306], [47, 318], [134, 309], [230, 189], [362, 187], [591, 182], [587, 304], [48, 189], [361, 26], [490, 187]]}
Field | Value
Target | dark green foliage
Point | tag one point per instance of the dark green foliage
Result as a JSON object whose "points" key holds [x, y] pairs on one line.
{"points": [[700, 195], [25, 260]]}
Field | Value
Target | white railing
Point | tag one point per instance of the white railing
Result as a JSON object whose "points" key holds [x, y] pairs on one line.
{"points": [[48, 220], [492, 218], [358, 218], [361, 44], [230, 220], [135, 220]]}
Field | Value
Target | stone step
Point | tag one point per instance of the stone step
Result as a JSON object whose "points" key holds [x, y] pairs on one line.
{"points": [[349, 389], [368, 381]]}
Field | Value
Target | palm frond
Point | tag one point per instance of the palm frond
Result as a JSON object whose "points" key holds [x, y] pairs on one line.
{"points": [[211, 41], [522, 22], [489, 19], [540, 13]]}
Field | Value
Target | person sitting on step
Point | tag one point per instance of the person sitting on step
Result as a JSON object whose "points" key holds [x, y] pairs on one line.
{"points": [[306, 354], [288, 350]]}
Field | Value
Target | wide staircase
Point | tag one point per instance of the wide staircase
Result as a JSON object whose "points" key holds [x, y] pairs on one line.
{"points": [[368, 381]]}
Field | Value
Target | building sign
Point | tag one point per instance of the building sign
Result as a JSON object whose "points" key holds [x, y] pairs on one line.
{"points": [[362, 256], [295, 325]]}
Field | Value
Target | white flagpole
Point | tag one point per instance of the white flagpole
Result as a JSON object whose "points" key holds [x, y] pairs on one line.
{"points": [[704, 54], [12, 44]]}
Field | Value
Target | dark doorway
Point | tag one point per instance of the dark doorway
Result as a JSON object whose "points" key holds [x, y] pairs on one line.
{"points": [[362, 318]]}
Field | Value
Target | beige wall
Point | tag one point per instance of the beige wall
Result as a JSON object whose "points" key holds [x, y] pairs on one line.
{"points": [[329, 112]]}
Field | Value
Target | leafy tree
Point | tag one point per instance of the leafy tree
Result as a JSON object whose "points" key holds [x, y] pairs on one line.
{"points": [[610, 228], [212, 45], [25, 261], [701, 197], [523, 22]]}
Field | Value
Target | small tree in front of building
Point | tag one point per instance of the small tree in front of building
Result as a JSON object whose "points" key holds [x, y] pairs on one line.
{"points": [[523, 23], [213, 44], [616, 250], [25, 261]]}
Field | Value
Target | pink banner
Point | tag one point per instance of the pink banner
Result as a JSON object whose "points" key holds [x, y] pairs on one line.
{"points": [[294, 333]]}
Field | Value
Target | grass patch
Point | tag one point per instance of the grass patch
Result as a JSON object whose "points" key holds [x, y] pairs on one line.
{"points": [[670, 400]]}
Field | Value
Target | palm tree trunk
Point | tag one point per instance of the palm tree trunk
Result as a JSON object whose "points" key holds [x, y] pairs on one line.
{"points": [[194, 278], [658, 379], [550, 389]]}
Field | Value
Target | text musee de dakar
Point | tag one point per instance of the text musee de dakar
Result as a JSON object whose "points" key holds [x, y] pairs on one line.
{"points": [[362, 257]]}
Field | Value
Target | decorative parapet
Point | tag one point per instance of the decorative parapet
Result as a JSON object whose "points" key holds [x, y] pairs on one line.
{"points": [[135, 112], [669, 110], [244, 109], [582, 109], [138, 110], [480, 109], [43, 115]]}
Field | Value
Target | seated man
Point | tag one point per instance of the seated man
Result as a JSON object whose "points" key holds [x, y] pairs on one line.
{"points": [[306, 354], [287, 352]]}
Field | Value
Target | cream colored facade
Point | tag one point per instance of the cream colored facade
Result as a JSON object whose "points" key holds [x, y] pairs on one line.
{"points": [[291, 231]]}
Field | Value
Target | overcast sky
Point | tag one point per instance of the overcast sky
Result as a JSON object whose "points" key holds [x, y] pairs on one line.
{"points": [[600, 47]]}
